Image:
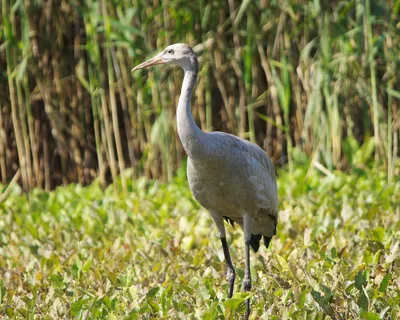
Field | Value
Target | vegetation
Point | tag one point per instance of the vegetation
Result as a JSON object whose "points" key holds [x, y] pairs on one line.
{"points": [[84, 253], [313, 82], [321, 76]]}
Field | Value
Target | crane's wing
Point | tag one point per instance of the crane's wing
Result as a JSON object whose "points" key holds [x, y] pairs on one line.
{"points": [[257, 168], [258, 177]]}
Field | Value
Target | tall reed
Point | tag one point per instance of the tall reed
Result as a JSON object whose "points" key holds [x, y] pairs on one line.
{"points": [[316, 77]]}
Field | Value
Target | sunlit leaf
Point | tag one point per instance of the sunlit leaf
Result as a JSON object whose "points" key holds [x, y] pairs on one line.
{"points": [[77, 306], [281, 263], [151, 294], [360, 280], [384, 283], [369, 315], [233, 303]]}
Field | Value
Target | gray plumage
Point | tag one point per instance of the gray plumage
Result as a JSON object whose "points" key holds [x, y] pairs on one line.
{"points": [[234, 178], [231, 177]]}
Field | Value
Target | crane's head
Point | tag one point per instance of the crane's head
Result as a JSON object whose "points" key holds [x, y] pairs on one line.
{"points": [[179, 54]]}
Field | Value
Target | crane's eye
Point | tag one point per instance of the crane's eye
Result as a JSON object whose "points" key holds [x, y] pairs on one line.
{"points": [[170, 51]]}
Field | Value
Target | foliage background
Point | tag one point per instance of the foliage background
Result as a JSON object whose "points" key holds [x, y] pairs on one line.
{"points": [[321, 76]]}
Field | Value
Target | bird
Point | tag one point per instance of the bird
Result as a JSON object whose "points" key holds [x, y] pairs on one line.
{"points": [[231, 177]]}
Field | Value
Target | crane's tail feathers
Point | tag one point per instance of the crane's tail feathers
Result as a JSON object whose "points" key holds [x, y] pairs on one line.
{"points": [[267, 240], [230, 221], [255, 241]]}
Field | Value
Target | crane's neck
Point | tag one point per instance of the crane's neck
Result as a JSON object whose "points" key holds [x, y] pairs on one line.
{"points": [[192, 137]]}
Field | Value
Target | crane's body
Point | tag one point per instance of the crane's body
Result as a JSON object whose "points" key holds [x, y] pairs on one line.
{"points": [[231, 177], [235, 178]]}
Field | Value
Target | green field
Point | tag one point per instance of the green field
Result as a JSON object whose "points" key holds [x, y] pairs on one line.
{"points": [[84, 253]]}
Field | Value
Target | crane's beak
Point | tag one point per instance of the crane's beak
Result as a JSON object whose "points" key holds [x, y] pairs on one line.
{"points": [[149, 63]]}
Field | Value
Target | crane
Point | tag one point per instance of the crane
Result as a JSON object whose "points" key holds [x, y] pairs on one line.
{"points": [[232, 178]]}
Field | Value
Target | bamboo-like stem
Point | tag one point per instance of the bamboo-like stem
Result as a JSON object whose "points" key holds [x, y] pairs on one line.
{"points": [[375, 106], [46, 160], [25, 137], [3, 164], [109, 139], [93, 88], [274, 97], [32, 136], [216, 63], [124, 105], [113, 103], [13, 181], [242, 98], [11, 85], [209, 115], [248, 73]]}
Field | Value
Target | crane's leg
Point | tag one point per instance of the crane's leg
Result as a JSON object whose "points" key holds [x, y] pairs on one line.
{"points": [[247, 227], [230, 270]]}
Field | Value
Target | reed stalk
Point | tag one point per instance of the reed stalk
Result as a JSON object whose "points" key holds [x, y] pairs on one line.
{"points": [[375, 105]]}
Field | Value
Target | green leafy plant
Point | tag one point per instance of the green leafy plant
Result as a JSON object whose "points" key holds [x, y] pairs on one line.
{"points": [[84, 252]]}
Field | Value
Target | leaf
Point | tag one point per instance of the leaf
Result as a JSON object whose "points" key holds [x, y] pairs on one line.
{"points": [[328, 293], [169, 291], [384, 283], [281, 263], [21, 69], [163, 301], [3, 291], [156, 267], [29, 302], [112, 276], [87, 265], [350, 146], [363, 301], [334, 253], [322, 302], [347, 212], [77, 306], [9, 312], [107, 301], [360, 280], [33, 230], [57, 281], [369, 315], [233, 303], [378, 234], [210, 314], [111, 317], [151, 294], [241, 11], [75, 271], [393, 93], [270, 121], [126, 27], [364, 153], [302, 298]]}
